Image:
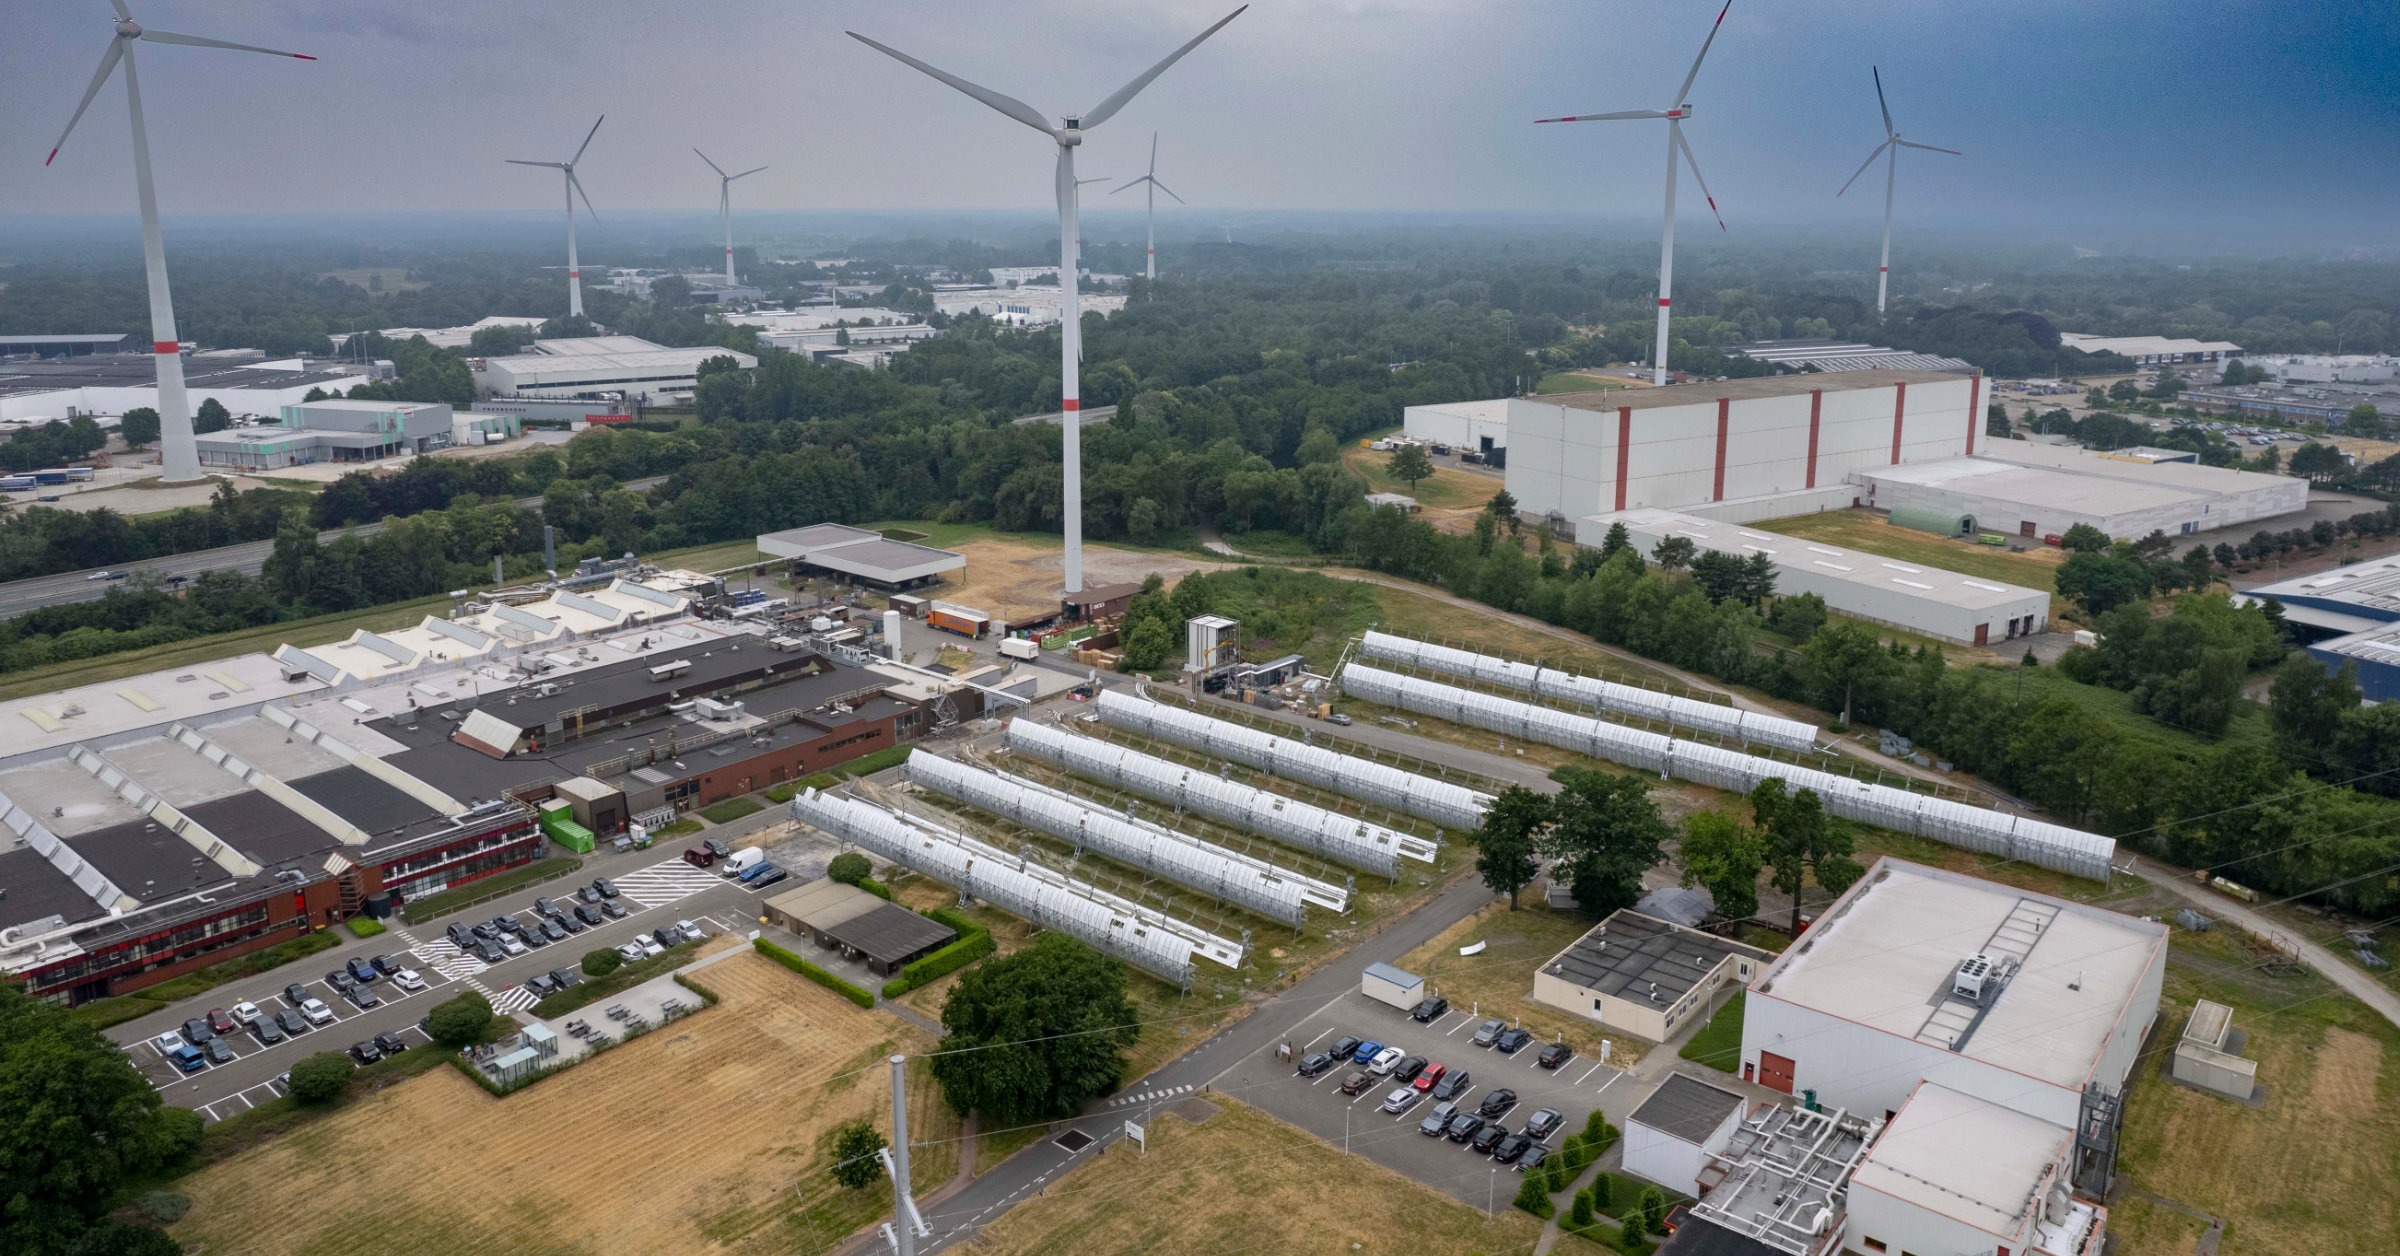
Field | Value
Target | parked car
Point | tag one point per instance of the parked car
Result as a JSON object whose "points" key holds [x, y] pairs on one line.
{"points": [[1533, 1158], [1498, 1102], [606, 887], [408, 979], [1508, 1149], [188, 1058], [512, 945], [1543, 1123], [461, 936], [1430, 1075], [317, 1013], [1488, 1138], [699, 856], [586, 894], [541, 985], [246, 1012], [1511, 1041], [546, 907], [1431, 1009], [1463, 1126], [1358, 1080], [649, 945], [533, 937], [1384, 1062], [554, 931], [588, 914], [1344, 1047], [220, 1020], [1365, 1051], [490, 952], [716, 847], [1315, 1064], [387, 964], [295, 994], [572, 922], [196, 1031], [565, 977], [1437, 1120], [667, 936], [613, 909], [1489, 1031], [391, 1044], [772, 876], [365, 997], [293, 1023], [166, 1043], [265, 1030], [218, 1051], [340, 980], [1555, 1054], [1408, 1068], [365, 1052], [691, 932], [632, 952], [1452, 1085]]}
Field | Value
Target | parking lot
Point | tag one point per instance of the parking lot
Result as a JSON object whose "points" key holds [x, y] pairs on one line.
{"points": [[1318, 1105], [655, 894]]}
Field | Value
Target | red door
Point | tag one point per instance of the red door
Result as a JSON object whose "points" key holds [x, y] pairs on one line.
{"points": [[1983, 634], [1774, 1072]]}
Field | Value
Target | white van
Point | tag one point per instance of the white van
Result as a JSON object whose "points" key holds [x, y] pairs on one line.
{"points": [[1021, 648], [741, 861]]}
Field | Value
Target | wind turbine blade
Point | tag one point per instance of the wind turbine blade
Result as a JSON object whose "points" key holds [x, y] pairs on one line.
{"points": [[1880, 103], [1169, 191], [1684, 90], [1153, 152], [1107, 109], [1694, 163], [711, 165], [587, 141], [577, 184], [547, 165], [1862, 166], [1606, 117], [1009, 105], [746, 173], [1134, 182], [195, 41], [108, 62], [122, 12], [1928, 147]]}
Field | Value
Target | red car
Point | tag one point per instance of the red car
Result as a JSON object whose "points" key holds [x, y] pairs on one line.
{"points": [[218, 1020], [699, 856], [1433, 1073]]}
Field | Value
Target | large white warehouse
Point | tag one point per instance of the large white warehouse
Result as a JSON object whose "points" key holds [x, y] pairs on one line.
{"points": [[1481, 426], [2043, 490], [2031, 1003], [605, 366], [1582, 454]]}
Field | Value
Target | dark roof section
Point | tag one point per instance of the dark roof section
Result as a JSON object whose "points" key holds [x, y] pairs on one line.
{"points": [[135, 370], [888, 934], [1688, 1108], [1629, 952], [714, 667], [1699, 1236], [146, 860], [264, 829], [32, 889], [364, 800]]}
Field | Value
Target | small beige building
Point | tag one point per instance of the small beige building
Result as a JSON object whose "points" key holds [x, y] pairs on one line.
{"points": [[1643, 976], [2210, 1054]]}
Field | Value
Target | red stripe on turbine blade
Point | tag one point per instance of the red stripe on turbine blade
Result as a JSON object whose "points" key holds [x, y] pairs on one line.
{"points": [[1662, 303], [165, 347], [51, 158], [1071, 404], [302, 56], [1884, 268], [1722, 12]]}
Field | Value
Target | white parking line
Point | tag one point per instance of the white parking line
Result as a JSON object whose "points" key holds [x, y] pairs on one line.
{"points": [[1588, 1072], [1610, 1082], [1462, 1024], [1319, 1038]]}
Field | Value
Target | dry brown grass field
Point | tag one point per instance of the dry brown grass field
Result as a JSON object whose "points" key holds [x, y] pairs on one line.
{"points": [[689, 1139]]}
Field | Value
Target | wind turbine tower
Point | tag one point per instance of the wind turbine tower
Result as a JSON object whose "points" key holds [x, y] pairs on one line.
{"points": [[1067, 134], [1674, 114], [574, 189], [1150, 206], [725, 207], [179, 457], [1889, 149]]}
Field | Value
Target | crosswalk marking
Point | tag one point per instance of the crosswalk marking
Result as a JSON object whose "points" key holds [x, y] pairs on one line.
{"points": [[664, 883], [1147, 1096], [514, 999], [445, 958]]}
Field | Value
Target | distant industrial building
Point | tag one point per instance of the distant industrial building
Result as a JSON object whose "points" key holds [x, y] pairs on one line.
{"points": [[861, 555], [68, 346], [1844, 355], [2152, 350], [1740, 449], [1481, 426], [451, 337], [605, 367], [2035, 490], [1642, 976], [112, 383], [1670, 1138], [2352, 616], [1908, 596], [1024, 307], [1955, 1173], [334, 430]]}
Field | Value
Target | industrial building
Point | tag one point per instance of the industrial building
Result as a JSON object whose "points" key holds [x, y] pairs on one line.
{"points": [[1642, 976], [334, 430], [2209, 1055], [68, 346], [1777, 1185], [2032, 1003], [1479, 426], [599, 367], [860, 555], [1023, 306], [112, 383], [449, 337], [2152, 350], [846, 919], [1747, 448], [1909, 596], [1843, 355], [1671, 1137], [2351, 616], [1954, 1173], [2034, 490]]}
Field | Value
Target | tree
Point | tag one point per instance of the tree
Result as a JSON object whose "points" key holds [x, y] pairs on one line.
{"points": [[1532, 1197], [1580, 1215], [2309, 704], [2083, 538], [855, 1164], [2363, 420], [461, 1021], [1723, 857], [1650, 1207], [1508, 844], [1409, 463], [602, 962], [1034, 1034], [1844, 656], [2102, 582], [1603, 1189], [1607, 833], [1673, 553], [321, 1078], [2124, 392], [1618, 538], [77, 1122], [1801, 842], [849, 868], [1504, 505], [1147, 646], [1995, 420], [212, 416], [2322, 463], [139, 427]]}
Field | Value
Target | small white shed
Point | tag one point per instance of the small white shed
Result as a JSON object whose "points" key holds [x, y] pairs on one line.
{"points": [[1386, 984], [1671, 1136]]}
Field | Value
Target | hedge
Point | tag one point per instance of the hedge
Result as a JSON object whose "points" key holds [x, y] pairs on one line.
{"points": [[363, 927], [731, 809], [974, 942], [814, 973]]}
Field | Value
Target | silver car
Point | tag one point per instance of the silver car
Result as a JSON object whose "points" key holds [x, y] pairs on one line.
{"points": [[1402, 1099], [1489, 1031]]}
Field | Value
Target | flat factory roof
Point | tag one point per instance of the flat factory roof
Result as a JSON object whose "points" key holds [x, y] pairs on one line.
{"points": [[1964, 1158], [1492, 411], [799, 542], [883, 559], [1885, 958], [1708, 392], [2373, 587], [1688, 1108], [1832, 562], [1629, 953], [2042, 487], [136, 370]]}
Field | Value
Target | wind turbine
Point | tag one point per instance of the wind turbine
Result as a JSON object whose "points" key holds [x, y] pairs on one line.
{"points": [[179, 457], [725, 206], [1067, 135], [1892, 144], [1150, 199], [1675, 114], [574, 189]]}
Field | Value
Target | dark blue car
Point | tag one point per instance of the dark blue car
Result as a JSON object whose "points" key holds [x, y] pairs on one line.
{"points": [[363, 971], [1366, 1052]]}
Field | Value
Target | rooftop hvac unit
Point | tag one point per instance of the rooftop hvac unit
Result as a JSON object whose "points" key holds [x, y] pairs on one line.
{"points": [[1974, 973]]}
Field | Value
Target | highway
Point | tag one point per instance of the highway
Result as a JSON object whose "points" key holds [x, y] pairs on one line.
{"points": [[20, 596]]}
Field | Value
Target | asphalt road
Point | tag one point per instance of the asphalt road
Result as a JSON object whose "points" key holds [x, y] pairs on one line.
{"points": [[20, 596]]}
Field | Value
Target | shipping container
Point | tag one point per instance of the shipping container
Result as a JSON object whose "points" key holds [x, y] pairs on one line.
{"points": [[561, 827], [958, 619], [1398, 987]]}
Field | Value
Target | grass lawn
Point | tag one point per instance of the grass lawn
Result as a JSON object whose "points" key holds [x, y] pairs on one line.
{"points": [[1867, 530], [731, 809], [419, 911], [2251, 725], [948, 535], [1499, 980], [1719, 1042], [677, 829], [706, 558], [1574, 382], [1446, 489], [1241, 1181]]}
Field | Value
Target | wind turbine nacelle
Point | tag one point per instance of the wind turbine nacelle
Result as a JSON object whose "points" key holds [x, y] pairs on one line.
{"points": [[1680, 112], [127, 30], [1070, 131]]}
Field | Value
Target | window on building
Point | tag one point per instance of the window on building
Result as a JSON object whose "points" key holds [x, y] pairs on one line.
{"points": [[1873, 1245]]}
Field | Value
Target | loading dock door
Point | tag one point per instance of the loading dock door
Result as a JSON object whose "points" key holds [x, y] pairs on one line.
{"points": [[1983, 634], [2025, 528], [1774, 1072]]}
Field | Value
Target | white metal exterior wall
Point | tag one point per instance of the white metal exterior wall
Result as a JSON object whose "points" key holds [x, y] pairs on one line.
{"points": [[1906, 1227], [1866, 1070], [2008, 515], [1564, 459], [1459, 424], [1673, 1163]]}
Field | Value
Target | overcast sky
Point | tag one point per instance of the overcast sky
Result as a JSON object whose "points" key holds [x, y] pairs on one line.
{"points": [[2183, 113]]}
